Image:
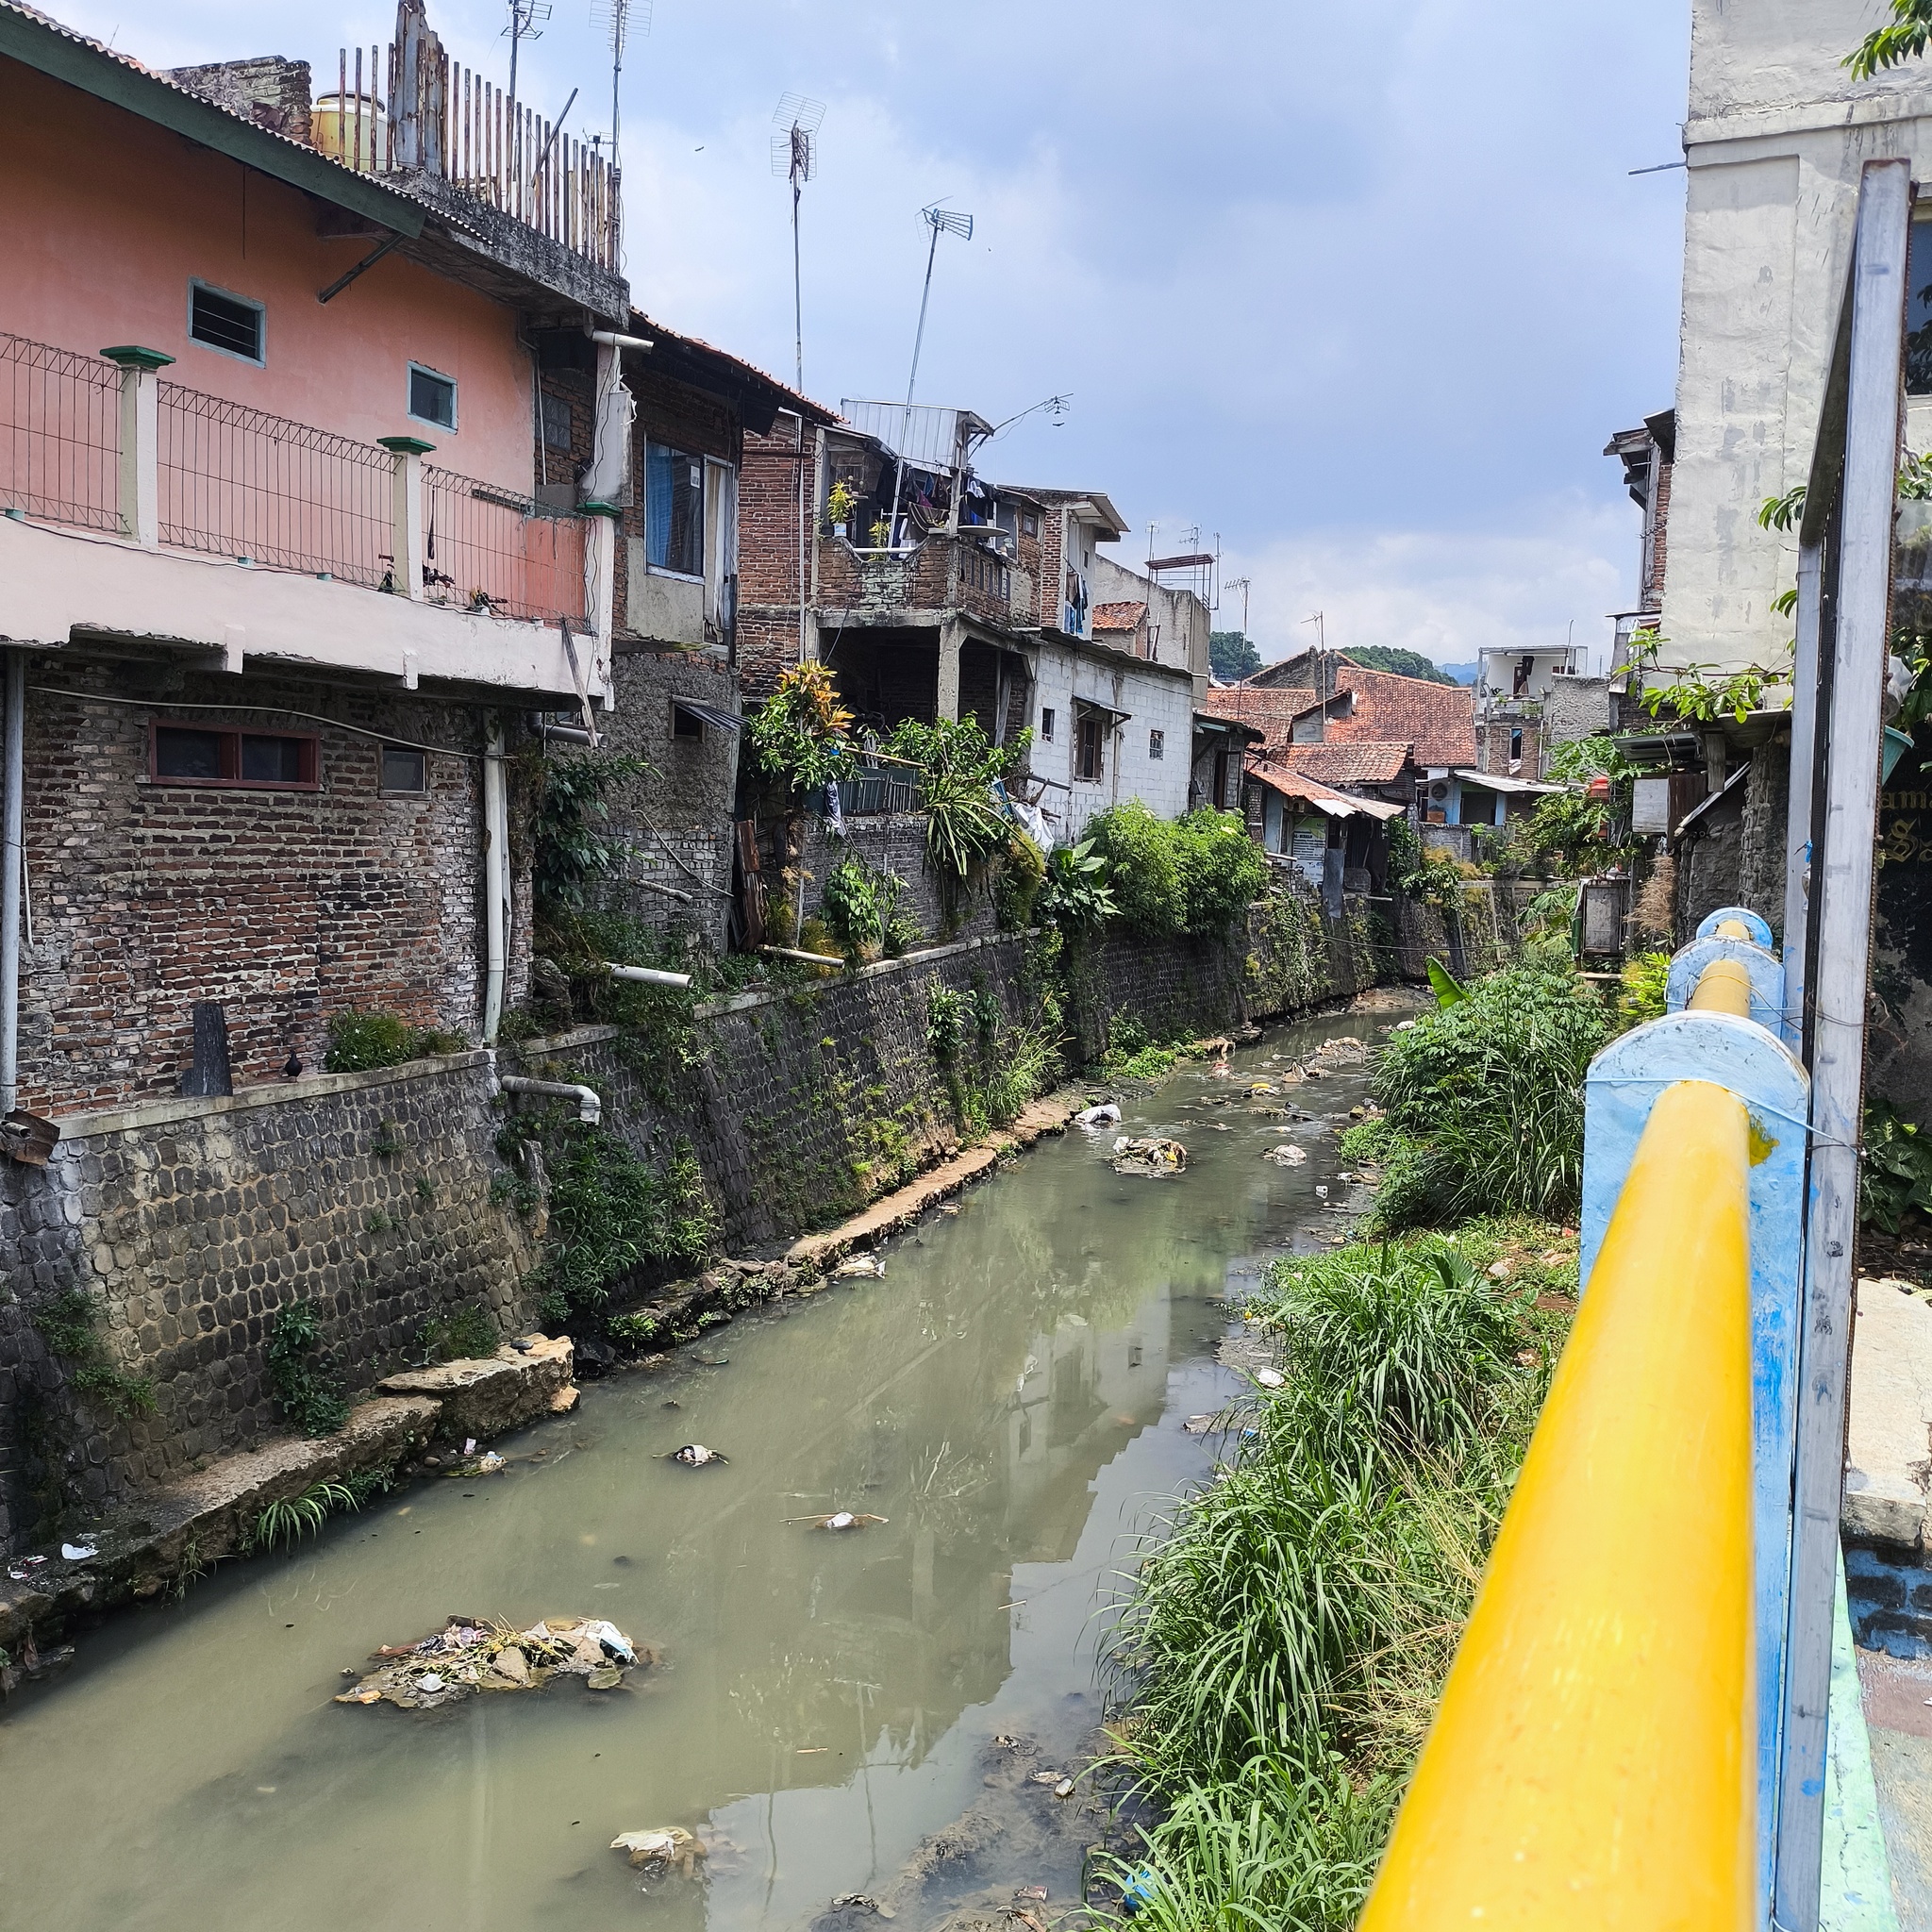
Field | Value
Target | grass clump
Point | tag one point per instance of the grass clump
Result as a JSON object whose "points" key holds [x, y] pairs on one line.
{"points": [[1281, 1652], [1486, 1095], [360, 1041], [463, 1334]]}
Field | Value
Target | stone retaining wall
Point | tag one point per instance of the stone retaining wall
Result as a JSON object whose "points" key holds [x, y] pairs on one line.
{"points": [[382, 1197]]}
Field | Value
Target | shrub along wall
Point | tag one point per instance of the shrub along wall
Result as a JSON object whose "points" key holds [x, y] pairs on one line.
{"points": [[386, 1200]]}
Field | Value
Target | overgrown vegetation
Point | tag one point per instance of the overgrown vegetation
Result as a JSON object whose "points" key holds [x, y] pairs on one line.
{"points": [[1076, 895], [70, 1326], [1486, 1095], [463, 1334], [1279, 1653], [1895, 1176], [306, 1384], [1195, 874], [571, 853], [613, 1215], [1646, 982], [286, 1522], [801, 736], [1424, 872], [358, 1041]]}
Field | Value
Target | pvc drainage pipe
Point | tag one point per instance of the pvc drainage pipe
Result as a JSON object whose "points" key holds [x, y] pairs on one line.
{"points": [[590, 1105]]}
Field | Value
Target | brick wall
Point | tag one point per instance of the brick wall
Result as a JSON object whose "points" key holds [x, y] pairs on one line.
{"points": [[286, 906], [768, 585], [676, 823]]}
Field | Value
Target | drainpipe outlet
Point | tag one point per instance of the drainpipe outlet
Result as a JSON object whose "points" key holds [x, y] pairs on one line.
{"points": [[590, 1107]]}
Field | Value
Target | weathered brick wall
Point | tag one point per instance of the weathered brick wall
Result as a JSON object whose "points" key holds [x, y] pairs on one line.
{"points": [[768, 582], [895, 841], [286, 906], [675, 823], [189, 1223]]}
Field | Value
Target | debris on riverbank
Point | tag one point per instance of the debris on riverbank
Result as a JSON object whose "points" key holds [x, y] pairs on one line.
{"points": [[1154, 1157], [669, 1847], [475, 1654]]}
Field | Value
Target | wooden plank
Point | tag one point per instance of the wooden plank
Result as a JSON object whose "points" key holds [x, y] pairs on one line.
{"points": [[1798, 807], [1839, 975]]}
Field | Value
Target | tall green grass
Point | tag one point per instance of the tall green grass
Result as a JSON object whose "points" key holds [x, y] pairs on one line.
{"points": [[1279, 1651]]}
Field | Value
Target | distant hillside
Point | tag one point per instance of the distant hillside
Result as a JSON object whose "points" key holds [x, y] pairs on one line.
{"points": [[1405, 663], [1462, 673]]}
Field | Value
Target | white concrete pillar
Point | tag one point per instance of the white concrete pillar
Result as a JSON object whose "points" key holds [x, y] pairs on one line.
{"points": [[603, 532], [406, 513], [140, 442], [951, 638]]}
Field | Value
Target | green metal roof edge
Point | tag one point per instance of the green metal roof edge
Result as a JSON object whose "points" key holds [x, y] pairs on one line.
{"points": [[73, 60]]}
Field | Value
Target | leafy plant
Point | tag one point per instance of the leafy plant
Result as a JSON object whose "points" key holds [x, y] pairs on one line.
{"points": [[1423, 872], [1646, 981], [965, 824], [1021, 879], [1904, 38], [944, 1022], [613, 1214], [985, 1005], [1222, 871], [1702, 694], [69, 1324], [850, 906], [306, 1384], [801, 734], [571, 853], [1077, 894], [1444, 985], [1773, 513], [1896, 1175], [842, 500], [358, 1041], [1143, 868], [466, 1333]]}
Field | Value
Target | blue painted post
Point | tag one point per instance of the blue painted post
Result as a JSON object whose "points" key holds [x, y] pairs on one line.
{"points": [[1750, 1060]]}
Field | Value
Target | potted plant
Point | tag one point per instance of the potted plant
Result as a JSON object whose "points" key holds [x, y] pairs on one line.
{"points": [[840, 506]]}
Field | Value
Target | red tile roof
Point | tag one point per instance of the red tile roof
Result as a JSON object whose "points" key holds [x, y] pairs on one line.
{"points": [[1351, 761], [1118, 616], [1439, 720], [1269, 711]]}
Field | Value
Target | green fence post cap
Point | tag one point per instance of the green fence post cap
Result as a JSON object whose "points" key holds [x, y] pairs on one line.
{"points": [[131, 355]]}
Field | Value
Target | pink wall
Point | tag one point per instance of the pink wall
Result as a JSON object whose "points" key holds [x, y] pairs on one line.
{"points": [[106, 217]]}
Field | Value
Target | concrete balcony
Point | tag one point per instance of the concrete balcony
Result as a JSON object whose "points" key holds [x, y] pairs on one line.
{"points": [[137, 511]]}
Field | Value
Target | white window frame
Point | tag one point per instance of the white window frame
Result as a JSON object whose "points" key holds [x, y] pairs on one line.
{"points": [[448, 428], [261, 309]]}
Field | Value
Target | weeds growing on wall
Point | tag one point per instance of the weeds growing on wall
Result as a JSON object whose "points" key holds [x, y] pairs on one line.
{"points": [[571, 851], [359, 1041], [463, 1334], [70, 1326], [286, 1522], [306, 1384], [1487, 1094], [613, 1216], [1279, 1653]]}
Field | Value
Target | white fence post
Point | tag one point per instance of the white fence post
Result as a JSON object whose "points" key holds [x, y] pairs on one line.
{"points": [[406, 513], [140, 442]]}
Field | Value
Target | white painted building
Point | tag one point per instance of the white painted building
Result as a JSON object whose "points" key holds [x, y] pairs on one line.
{"points": [[1778, 134]]}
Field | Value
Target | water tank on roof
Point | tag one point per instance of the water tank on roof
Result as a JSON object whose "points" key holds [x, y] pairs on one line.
{"points": [[352, 128]]}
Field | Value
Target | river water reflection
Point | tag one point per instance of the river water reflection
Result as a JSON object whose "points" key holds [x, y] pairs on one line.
{"points": [[1009, 1397]]}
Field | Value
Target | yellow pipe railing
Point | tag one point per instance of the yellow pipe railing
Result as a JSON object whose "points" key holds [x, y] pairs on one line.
{"points": [[1592, 1767], [1723, 987]]}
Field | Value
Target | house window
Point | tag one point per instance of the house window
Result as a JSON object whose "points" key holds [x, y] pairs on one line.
{"points": [[1156, 744], [674, 510], [686, 723], [1046, 724], [231, 323], [404, 769], [557, 421], [1516, 744], [191, 755], [1087, 756], [1030, 524], [432, 397]]}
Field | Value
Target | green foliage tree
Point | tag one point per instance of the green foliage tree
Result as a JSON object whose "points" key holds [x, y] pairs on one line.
{"points": [[1404, 664], [1232, 656], [1197, 874], [1904, 38], [571, 853]]}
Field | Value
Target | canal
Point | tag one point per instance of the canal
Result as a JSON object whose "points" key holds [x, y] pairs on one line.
{"points": [[867, 1713]]}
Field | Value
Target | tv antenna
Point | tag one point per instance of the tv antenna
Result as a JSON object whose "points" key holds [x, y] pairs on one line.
{"points": [[1056, 407], [1239, 584], [527, 18], [942, 221], [617, 18], [795, 155]]}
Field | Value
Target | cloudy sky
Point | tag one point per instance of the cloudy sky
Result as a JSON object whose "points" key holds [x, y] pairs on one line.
{"points": [[1361, 291]]}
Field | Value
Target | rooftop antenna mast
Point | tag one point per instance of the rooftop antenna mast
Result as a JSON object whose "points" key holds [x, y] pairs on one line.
{"points": [[617, 17], [795, 155], [527, 18], [1324, 684], [942, 221], [1241, 584]]}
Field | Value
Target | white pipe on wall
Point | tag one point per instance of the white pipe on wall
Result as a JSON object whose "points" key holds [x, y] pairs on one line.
{"points": [[495, 881]]}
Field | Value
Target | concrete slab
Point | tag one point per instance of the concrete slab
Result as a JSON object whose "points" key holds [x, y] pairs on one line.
{"points": [[486, 1395], [1898, 1715], [1890, 1437], [1854, 1885]]}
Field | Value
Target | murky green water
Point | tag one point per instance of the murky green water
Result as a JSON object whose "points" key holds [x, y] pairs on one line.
{"points": [[1011, 1397]]}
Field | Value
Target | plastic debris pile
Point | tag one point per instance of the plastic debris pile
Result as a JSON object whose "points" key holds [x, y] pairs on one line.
{"points": [[472, 1654], [1154, 1157]]}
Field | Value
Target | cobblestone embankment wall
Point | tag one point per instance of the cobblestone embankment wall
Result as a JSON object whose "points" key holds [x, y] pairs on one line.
{"points": [[382, 1198]]}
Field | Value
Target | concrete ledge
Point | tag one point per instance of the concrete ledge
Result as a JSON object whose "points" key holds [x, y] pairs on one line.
{"points": [[162, 1113], [487, 1395], [179, 1530], [1890, 1437]]}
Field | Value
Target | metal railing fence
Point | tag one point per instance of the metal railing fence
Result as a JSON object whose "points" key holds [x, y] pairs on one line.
{"points": [[236, 481], [485, 548], [59, 434]]}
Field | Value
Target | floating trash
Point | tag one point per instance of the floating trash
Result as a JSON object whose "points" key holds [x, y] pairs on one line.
{"points": [[1271, 1378], [471, 1654], [860, 1901], [668, 1846], [694, 1455], [1286, 1155], [1154, 1157], [864, 1266], [839, 1519], [1106, 1115]]}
